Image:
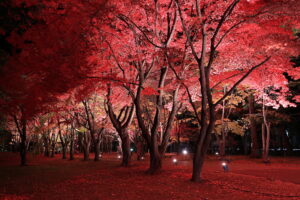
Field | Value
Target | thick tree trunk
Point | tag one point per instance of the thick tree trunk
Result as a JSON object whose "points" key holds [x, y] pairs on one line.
{"points": [[126, 150], [253, 132], [155, 157], [199, 157]]}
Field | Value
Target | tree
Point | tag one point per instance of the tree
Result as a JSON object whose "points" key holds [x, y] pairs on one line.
{"points": [[121, 124], [38, 71], [135, 73], [216, 25]]}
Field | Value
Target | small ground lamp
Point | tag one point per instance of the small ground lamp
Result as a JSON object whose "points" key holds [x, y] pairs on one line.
{"points": [[225, 166], [119, 156], [142, 158], [184, 152], [175, 161], [131, 149], [217, 153]]}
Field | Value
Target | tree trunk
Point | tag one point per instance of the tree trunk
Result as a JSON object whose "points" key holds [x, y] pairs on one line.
{"points": [[72, 147], [126, 150], [64, 150], [23, 149], [263, 138], [253, 132], [199, 157], [155, 157], [97, 150], [221, 141], [86, 151], [86, 142], [286, 142], [46, 144], [266, 140], [139, 149], [178, 142], [52, 149]]}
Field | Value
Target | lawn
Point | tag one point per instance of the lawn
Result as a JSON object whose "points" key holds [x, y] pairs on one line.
{"points": [[53, 178]]}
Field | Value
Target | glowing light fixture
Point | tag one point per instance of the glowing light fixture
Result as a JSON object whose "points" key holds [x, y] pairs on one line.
{"points": [[225, 166], [184, 152], [175, 160]]}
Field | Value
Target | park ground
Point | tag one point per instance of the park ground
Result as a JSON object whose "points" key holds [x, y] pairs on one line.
{"points": [[54, 178]]}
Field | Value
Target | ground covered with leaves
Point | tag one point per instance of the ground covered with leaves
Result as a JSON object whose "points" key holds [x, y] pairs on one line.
{"points": [[53, 178]]}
